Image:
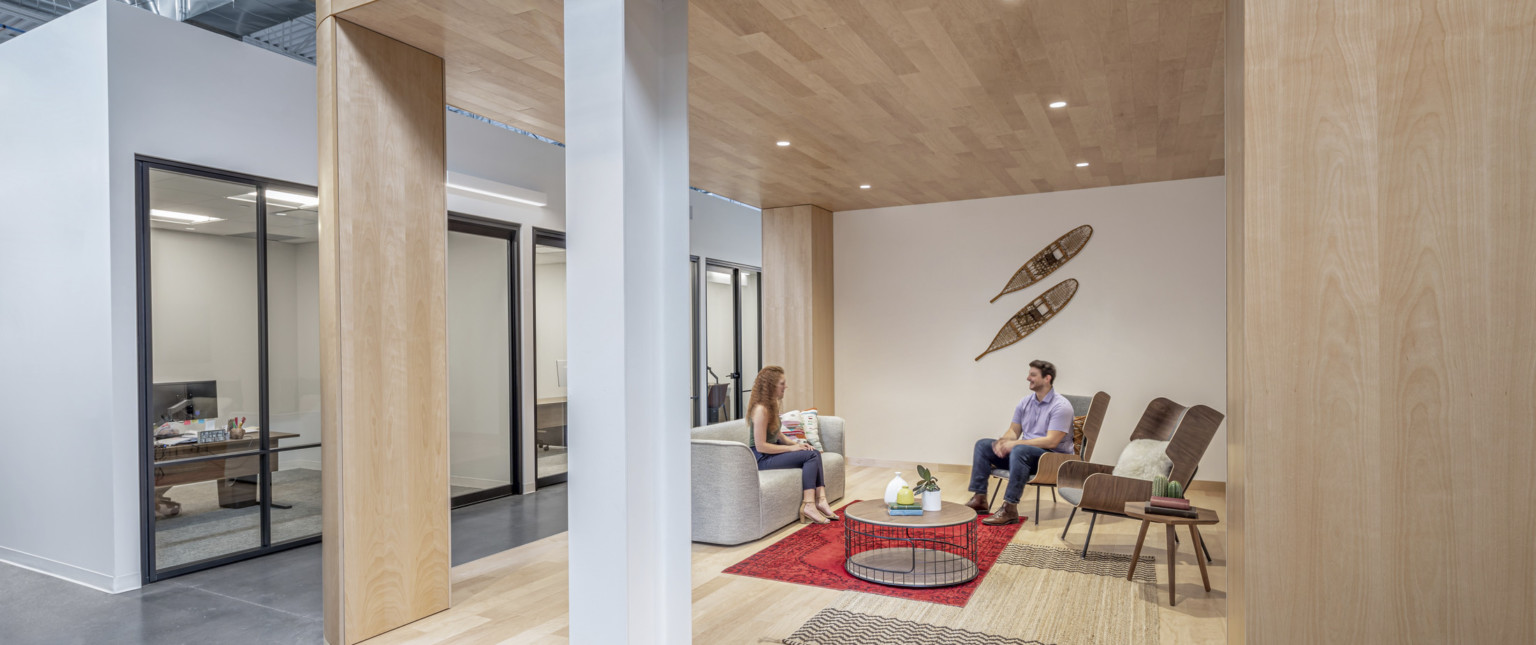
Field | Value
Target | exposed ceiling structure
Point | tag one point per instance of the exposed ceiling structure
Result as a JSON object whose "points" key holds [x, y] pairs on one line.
{"points": [[284, 26], [922, 100]]}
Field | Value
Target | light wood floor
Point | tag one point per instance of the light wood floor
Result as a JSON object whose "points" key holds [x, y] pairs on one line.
{"points": [[519, 596]]}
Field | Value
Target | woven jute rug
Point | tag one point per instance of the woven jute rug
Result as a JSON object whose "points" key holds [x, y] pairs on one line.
{"points": [[1034, 595]]}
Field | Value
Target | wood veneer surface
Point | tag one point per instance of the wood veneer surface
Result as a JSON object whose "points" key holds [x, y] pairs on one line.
{"points": [[926, 100], [1387, 297], [384, 332], [797, 303]]}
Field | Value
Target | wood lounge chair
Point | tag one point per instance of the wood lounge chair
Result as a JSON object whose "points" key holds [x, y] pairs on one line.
{"points": [[1045, 471], [1093, 488]]}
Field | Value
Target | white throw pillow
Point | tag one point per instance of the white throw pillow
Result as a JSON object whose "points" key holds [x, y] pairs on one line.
{"points": [[1144, 459], [810, 422]]}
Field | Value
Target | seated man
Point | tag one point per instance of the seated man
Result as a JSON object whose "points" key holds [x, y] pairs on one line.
{"points": [[1042, 423]]}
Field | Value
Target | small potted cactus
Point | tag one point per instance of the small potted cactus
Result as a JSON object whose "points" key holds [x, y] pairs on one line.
{"points": [[1164, 487]]}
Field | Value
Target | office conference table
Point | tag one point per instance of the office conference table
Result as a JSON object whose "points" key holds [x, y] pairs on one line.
{"points": [[230, 475]]}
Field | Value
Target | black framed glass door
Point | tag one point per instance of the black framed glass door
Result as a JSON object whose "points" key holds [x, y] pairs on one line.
{"points": [[549, 357], [483, 386], [229, 388], [731, 296]]}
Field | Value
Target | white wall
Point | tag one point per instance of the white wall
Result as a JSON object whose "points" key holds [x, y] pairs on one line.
{"points": [[62, 405], [723, 230], [911, 291], [203, 290]]}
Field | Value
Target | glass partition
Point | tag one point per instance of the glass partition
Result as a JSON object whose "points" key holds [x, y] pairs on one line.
{"points": [[549, 358], [481, 424], [230, 365]]}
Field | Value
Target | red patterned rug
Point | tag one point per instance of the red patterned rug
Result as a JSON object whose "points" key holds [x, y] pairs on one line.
{"points": [[813, 556]]}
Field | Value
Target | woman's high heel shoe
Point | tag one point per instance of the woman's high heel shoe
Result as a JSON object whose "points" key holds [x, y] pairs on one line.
{"points": [[826, 509], [812, 516]]}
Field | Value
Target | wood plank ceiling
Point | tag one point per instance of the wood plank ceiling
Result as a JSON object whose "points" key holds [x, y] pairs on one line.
{"points": [[924, 100]]}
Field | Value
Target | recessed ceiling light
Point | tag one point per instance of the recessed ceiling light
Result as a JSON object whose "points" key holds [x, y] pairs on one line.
{"points": [[1082, 164], [191, 229], [864, 186], [783, 144], [180, 218], [1059, 104]]}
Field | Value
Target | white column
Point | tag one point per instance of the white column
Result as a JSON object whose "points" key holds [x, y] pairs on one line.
{"points": [[626, 120]]}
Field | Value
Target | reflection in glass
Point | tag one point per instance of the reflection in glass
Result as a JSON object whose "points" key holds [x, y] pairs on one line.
{"points": [[216, 509], [549, 357], [205, 389], [479, 363], [693, 344], [295, 494], [721, 370], [293, 316], [750, 362]]}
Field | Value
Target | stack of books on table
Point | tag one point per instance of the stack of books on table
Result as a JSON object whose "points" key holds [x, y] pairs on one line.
{"points": [[1173, 506], [905, 509]]}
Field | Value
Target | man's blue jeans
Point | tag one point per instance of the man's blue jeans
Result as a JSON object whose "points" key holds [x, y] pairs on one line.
{"points": [[1021, 464]]}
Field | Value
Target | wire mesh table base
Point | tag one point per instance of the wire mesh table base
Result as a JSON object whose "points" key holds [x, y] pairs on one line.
{"points": [[910, 556]]}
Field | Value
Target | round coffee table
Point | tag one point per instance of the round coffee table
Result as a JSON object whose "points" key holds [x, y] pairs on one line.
{"points": [[935, 549]]}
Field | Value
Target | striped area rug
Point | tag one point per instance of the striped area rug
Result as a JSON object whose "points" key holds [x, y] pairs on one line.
{"points": [[1035, 595]]}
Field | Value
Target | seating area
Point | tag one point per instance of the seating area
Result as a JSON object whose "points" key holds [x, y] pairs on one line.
{"points": [[733, 501]]}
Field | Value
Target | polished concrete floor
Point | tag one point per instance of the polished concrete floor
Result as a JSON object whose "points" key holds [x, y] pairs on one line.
{"points": [[270, 600]]}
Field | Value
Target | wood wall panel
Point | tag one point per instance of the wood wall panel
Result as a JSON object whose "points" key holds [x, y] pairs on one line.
{"points": [[1236, 354], [384, 332], [797, 303], [1386, 225], [926, 100]]}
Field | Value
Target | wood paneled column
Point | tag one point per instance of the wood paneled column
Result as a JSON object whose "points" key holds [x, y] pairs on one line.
{"points": [[1382, 423], [626, 161], [797, 303], [383, 331]]}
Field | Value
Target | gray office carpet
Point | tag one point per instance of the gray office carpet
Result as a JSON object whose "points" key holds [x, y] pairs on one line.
{"points": [[203, 530]]}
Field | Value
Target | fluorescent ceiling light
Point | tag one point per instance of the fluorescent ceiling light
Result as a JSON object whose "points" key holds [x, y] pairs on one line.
{"points": [[864, 187], [180, 218], [486, 188], [301, 201], [783, 144], [1082, 164], [1059, 104], [497, 195]]}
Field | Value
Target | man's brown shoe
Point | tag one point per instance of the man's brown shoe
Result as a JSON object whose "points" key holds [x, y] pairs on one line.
{"points": [[1008, 515], [978, 503]]}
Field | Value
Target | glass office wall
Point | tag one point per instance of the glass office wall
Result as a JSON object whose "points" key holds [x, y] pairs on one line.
{"points": [[732, 338], [230, 366], [549, 357], [482, 422]]}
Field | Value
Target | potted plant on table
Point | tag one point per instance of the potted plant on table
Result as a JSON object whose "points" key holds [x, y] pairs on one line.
{"points": [[928, 487]]}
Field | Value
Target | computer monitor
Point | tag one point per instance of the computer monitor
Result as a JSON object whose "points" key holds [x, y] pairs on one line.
{"points": [[184, 401]]}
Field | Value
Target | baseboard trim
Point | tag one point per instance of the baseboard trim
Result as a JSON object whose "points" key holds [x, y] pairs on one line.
{"points": [[476, 482], [70, 573], [1207, 486], [904, 466]]}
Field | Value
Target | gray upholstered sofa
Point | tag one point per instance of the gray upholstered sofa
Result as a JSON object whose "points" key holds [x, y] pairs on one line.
{"points": [[733, 501]]}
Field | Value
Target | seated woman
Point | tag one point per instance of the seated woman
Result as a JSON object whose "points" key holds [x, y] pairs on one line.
{"points": [[775, 451]]}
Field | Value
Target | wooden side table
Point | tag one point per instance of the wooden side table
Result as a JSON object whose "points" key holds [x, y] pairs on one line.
{"points": [[1207, 516]]}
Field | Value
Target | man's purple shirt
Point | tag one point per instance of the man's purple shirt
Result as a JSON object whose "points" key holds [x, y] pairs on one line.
{"points": [[1038, 417]]}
